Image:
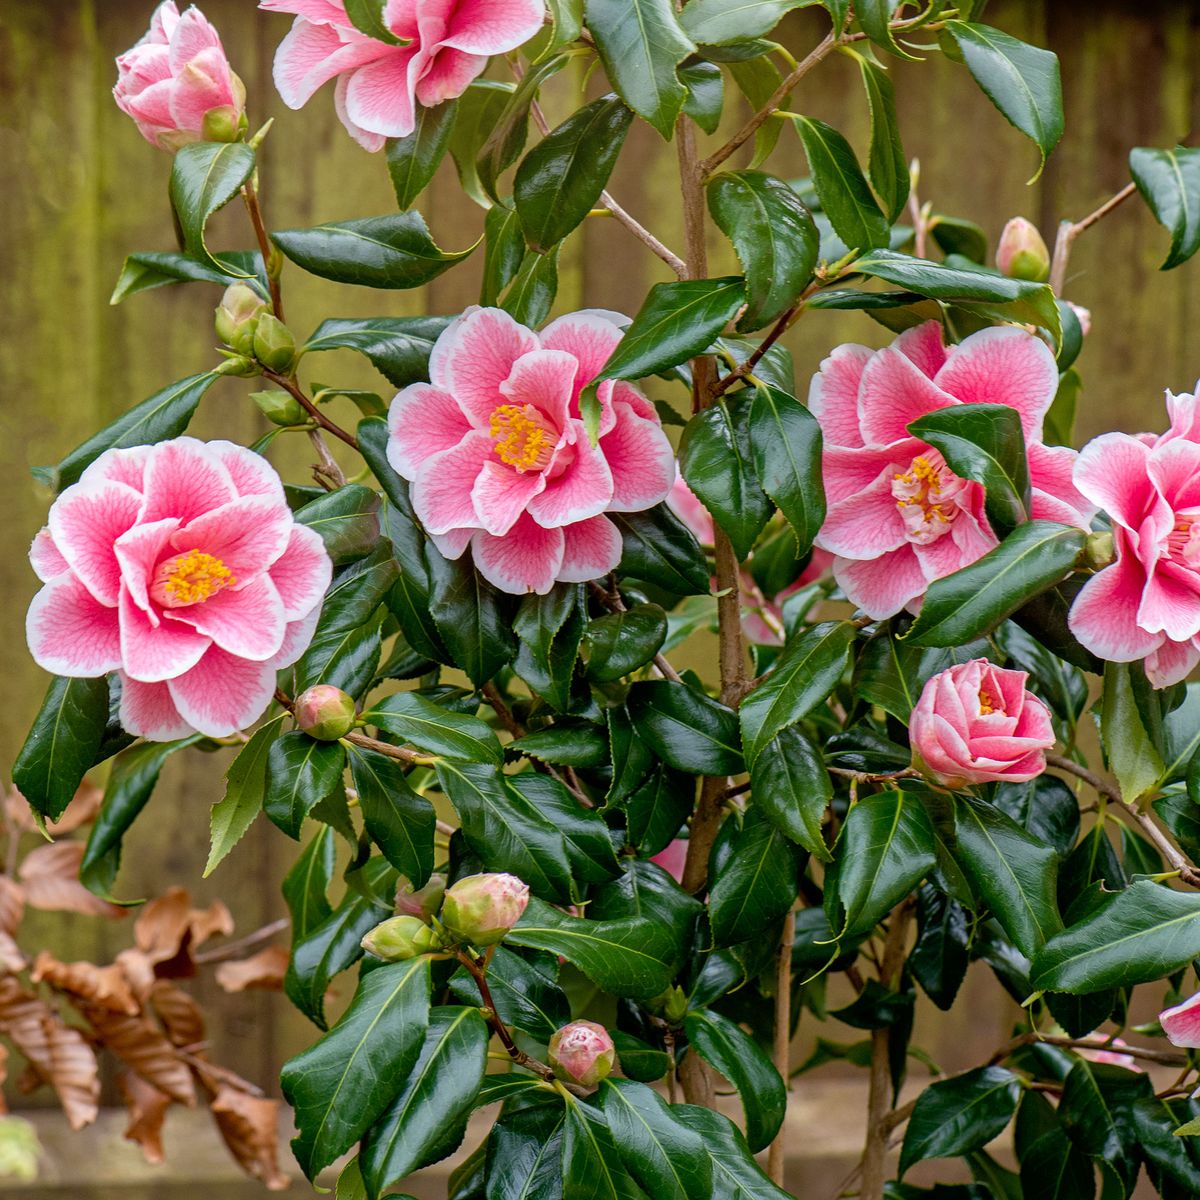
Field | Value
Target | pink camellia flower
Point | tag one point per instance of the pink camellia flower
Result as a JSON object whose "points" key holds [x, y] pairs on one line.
{"points": [[976, 722], [898, 517], [582, 1052], [176, 83], [180, 567], [444, 44], [482, 908], [1146, 605], [1181, 1023], [500, 460]]}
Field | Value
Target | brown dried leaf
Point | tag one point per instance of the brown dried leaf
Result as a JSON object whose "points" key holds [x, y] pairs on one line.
{"points": [[82, 810], [142, 1047], [21, 1016], [12, 904], [3, 1077], [12, 957], [51, 878], [139, 971], [179, 1013], [147, 1111], [265, 969], [168, 929], [250, 1127], [74, 1072], [103, 986]]}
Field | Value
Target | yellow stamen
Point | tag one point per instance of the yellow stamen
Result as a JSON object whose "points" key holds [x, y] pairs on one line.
{"points": [[190, 578], [986, 703], [521, 437]]}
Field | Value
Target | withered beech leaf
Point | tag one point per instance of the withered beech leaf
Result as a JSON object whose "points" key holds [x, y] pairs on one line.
{"points": [[265, 969], [51, 878], [81, 811], [168, 929], [106, 987], [179, 1013], [250, 1126], [142, 1047], [74, 1072], [147, 1110], [12, 904]]}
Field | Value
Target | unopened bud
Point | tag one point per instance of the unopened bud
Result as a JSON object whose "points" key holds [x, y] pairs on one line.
{"points": [[1099, 550], [481, 909], [1022, 252], [238, 365], [280, 408], [325, 712], [400, 938], [1083, 316], [238, 315], [421, 903], [671, 1005], [274, 345], [224, 124], [582, 1052]]}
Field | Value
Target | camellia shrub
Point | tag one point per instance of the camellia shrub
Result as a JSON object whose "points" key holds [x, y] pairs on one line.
{"points": [[545, 869]]}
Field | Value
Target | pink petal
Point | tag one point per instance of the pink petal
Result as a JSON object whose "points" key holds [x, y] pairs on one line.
{"points": [[311, 55], [1170, 604], [422, 421], [882, 586], [923, 344], [1174, 469], [866, 524], [296, 639], [545, 379], [70, 632], [192, 36], [584, 489], [152, 653], [45, 557], [248, 622], [641, 461], [184, 479], [1184, 411], [379, 96], [85, 521], [120, 466], [1104, 616], [448, 75], [588, 336], [453, 542], [151, 109], [474, 355], [301, 574], [371, 142], [204, 84], [1055, 496], [1113, 471], [320, 12], [139, 552], [493, 26], [686, 505], [247, 534], [1171, 663], [1003, 365], [252, 475], [527, 559], [501, 494], [441, 492], [1181, 1024], [893, 393], [846, 471], [833, 395], [148, 711], [591, 549], [163, 23], [222, 694]]}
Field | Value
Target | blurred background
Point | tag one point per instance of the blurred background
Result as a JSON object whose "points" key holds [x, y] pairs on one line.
{"points": [[81, 189]]}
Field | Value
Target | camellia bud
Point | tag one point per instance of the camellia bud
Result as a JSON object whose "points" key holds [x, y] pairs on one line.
{"points": [[238, 316], [481, 909], [1022, 252], [274, 345], [1099, 550], [582, 1052], [325, 712], [422, 903], [399, 938], [280, 408]]}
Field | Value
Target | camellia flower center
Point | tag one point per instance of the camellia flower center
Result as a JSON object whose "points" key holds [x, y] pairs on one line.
{"points": [[189, 578], [524, 439], [987, 703], [926, 495], [1183, 542]]}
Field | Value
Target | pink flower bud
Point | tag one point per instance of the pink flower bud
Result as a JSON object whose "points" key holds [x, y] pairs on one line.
{"points": [[400, 938], [177, 85], [1083, 316], [1181, 1024], [481, 909], [976, 722], [325, 712], [420, 902], [582, 1052], [237, 317], [1022, 252]]}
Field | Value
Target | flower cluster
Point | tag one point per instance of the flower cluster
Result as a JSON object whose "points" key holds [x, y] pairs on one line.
{"points": [[499, 458]]}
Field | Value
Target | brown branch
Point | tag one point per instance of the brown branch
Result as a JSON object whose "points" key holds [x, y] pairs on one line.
{"points": [[783, 1032], [233, 949], [1162, 1057], [491, 693], [399, 753], [747, 366], [643, 235], [294, 389], [613, 602], [1068, 231], [250, 196], [479, 974]]}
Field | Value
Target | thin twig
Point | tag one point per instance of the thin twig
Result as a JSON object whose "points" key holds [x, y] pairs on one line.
{"points": [[611, 599], [777, 331], [1162, 1057], [399, 753], [518, 1055], [1068, 231], [233, 949], [250, 195], [491, 693], [644, 235], [783, 1032], [294, 389]]}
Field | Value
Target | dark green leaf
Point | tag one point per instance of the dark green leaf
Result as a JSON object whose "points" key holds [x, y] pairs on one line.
{"points": [[1054, 1169], [346, 519], [639, 1060], [1169, 181], [205, 176], [481, 110], [524, 1154], [960, 1114], [395, 251], [685, 728], [938, 960], [1045, 806], [146, 271], [621, 642], [736, 1176], [471, 618], [565, 745], [657, 810], [591, 1166], [706, 94], [1130, 742], [792, 788], [954, 235], [841, 187], [550, 629], [368, 16], [301, 772], [341, 1085], [306, 885], [504, 251], [245, 785], [721, 22], [756, 884], [785, 445], [435, 728], [397, 820], [1095, 1109], [886, 164], [398, 347], [658, 548], [758, 79], [412, 161], [531, 295]]}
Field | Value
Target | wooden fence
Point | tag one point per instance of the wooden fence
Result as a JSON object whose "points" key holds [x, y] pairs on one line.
{"points": [[80, 189]]}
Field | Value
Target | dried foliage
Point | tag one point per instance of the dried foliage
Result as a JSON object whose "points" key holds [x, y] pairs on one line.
{"points": [[264, 970]]}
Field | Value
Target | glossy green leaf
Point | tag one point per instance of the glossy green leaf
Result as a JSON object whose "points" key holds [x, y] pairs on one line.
{"points": [[306, 886], [725, 1047], [1011, 869], [504, 252], [804, 674], [428, 1118], [844, 193], [567, 16], [524, 1154], [62, 744], [758, 79], [1095, 1109], [396, 251], [641, 45], [591, 1166], [142, 272], [886, 165], [1045, 806], [343, 1084], [955, 235], [1130, 741], [525, 990], [667, 1158], [736, 1176], [774, 236], [347, 520], [412, 161], [565, 745], [205, 176], [984, 442], [1169, 181], [1022, 81], [756, 885], [792, 788], [434, 728], [398, 347], [973, 601], [706, 94], [245, 786], [550, 629], [301, 772], [687, 729], [621, 642], [658, 547], [471, 617], [481, 110], [886, 848], [560, 180], [938, 960], [398, 820], [1054, 1169], [532, 293], [963, 1113], [785, 446], [656, 811], [639, 1060], [721, 22]]}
